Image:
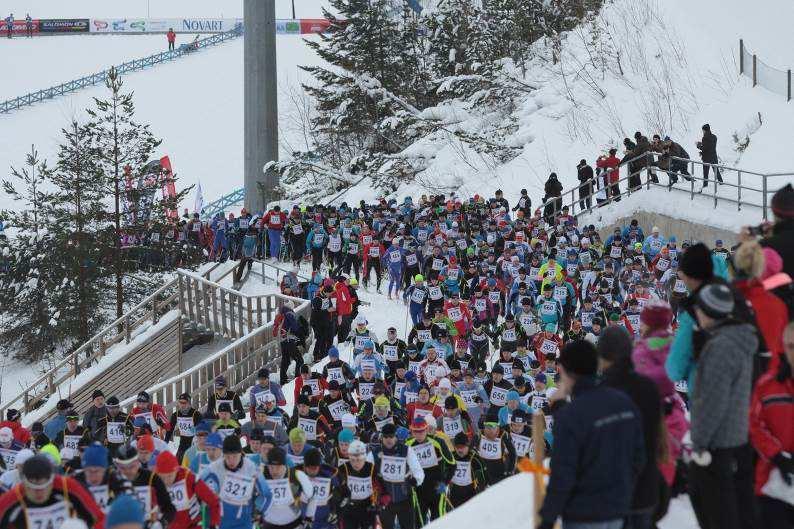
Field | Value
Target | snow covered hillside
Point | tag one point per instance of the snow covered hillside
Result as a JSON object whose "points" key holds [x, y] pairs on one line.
{"points": [[655, 66]]}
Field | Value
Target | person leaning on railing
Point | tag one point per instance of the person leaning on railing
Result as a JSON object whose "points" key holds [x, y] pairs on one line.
{"points": [[778, 235], [609, 165]]}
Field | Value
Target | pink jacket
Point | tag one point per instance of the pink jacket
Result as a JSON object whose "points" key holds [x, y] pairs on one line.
{"points": [[677, 427], [649, 357]]}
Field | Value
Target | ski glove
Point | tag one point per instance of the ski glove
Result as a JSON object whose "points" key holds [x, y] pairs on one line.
{"points": [[785, 464], [441, 488], [702, 458]]}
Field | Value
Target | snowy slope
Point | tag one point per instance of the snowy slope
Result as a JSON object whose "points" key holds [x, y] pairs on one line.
{"points": [[680, 70]]}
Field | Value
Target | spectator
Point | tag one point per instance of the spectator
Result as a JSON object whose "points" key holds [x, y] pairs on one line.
{"points": [[617, 371], [171, 36], [524, 204], [780, 235], [10, 24], [671, 151], [553, 198], [29, 25], [585, 176], [708, 153], [598, 449], [96, 412], [638, 159], [770, 311], [56, 425], [721, 470], [609, 164], [772, 435]]}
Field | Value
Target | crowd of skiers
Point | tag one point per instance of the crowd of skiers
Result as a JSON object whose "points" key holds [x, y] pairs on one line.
{"points": [[622, 344]]}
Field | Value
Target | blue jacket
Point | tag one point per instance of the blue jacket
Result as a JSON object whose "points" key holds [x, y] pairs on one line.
{"points": [[238, 515], [598, 454], [55, 426]]}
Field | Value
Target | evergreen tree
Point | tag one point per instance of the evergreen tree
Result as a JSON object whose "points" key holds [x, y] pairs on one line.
{"points": [[30, 322], [122, 149]]}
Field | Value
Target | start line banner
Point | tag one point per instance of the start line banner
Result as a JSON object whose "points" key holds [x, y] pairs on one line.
{"points": [[198, 25]]}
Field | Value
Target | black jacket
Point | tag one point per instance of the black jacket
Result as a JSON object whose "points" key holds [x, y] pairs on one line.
{"points": [[708, 147], [553, 188], [645, 396], [598, 453], [585, 176]]}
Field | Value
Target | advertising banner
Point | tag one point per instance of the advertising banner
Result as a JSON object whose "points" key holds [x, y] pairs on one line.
{"points": [[200, 25], [20, 27], [63, 25], [314, 25]]}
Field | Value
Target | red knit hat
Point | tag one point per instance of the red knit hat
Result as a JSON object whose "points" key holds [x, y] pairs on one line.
{"points": [[166, 463], [145, 442], [657, 314]]}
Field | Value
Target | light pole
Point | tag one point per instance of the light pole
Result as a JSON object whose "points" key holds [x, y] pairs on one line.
{"points": [[293, 9], [261, 102]]}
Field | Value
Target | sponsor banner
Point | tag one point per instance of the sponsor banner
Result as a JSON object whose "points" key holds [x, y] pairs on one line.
{"points": [[314, 25], [63, 25], [19, 28], [288, 27], [200, 25]]}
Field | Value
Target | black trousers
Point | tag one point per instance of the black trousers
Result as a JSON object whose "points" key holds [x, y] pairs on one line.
{"points": [[352, 261], [430, 502], [344, 328], [170, 46], [317, 258], [373, 263], [289, 352], [717, 174], [722, 493], [775, 514], [404, 513], [357, 517], [323, 340]]}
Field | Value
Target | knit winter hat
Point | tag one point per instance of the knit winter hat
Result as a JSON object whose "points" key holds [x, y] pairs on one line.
{"points": [[124, 510], [696, 262], [656, 315], [145, 442], [773, 263], [95, 455], [296, 435], [166, 463], [716, 300], [783, 202], [579, 357]]}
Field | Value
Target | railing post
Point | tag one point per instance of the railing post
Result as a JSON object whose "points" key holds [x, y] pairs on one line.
{"points": [[764, 185], [788, 85], [741, 56], [127, 330], [739, 191], [755, 79], [715, 187]]}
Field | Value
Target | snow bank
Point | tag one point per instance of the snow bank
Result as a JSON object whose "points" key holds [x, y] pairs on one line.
{"points": [[507, 505]]}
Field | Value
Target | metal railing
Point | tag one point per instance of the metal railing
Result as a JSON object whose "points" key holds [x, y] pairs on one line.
{"points": [[136, 320], [124, 68], [773, 79], [234, 198], [238, 363], [740, 187]]}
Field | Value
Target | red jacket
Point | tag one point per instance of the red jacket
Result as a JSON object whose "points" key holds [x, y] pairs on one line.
{"points": [[21, 433], [344, 301], [190, 515], [171, 36], [81, 502], [772, 419], [771, 314], [611, 165], [158, 414], [322, 385], [275, 220]]}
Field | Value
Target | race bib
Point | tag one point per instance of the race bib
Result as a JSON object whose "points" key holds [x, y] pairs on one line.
{"points": [[437, 264], [365, 390], [334, 243], [585, 258], [679, 287], [319, 238], [314, 384], [186, 426], [587, 319], [509, 335], [435, 292], [101, 494], [548, 308], [297, 229], [144, 495], [243, 223], [261, 396], [480, 304], [418, 296], [462, 475], [309, 427], [494, 296], [352, 248], [616, 252], [366, 240], [571, 268], [154, 237], [426, 454], [115, 432], [280, 489], [360, 488], [390, 353], [410, 259], [498, 396], [560, 293], [178, 493], [275, 220], [49, 517], [662, 264], [452, 426], [393, 469], [374, 251], [469, 397], [454, 313], [490, 449], [521, 443], [548, 347], [335, 373], [395, 257], [337, 409], [238, 489], [322, 490]]}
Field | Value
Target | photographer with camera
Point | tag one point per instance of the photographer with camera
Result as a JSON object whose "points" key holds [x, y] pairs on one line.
{"points": [[778, 235]]}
